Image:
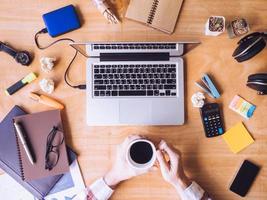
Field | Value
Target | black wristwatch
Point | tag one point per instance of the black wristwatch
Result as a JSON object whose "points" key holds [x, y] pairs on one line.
{"points": [[22, 57]]}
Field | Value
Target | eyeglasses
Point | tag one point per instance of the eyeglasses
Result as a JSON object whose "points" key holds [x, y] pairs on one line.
{"points": [[54, 139]]}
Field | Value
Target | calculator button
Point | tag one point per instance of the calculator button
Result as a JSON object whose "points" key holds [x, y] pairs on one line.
{"points": [[220, 130]]}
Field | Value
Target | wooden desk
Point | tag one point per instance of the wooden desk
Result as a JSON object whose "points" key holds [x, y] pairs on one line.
{"points": [[208, 161]]}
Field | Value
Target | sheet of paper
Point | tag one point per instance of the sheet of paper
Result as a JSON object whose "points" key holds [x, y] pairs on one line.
{"points": [[10, 189], [238, 138], [70, 193]]}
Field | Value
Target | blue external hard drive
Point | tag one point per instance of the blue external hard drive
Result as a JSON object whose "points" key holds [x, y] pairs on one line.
{"points": [[61, 21]]}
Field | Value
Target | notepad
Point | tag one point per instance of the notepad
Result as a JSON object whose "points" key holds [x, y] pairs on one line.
{"points": [[38, 127], [238, 138], [158, 14]]}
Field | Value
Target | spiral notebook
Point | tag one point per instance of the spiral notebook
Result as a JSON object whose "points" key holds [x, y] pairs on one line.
{"points": [[37, 126], [159, 14], [10, 163]]}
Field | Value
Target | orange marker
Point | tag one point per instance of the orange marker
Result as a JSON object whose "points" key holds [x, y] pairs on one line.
{"points": [[46, 100]]}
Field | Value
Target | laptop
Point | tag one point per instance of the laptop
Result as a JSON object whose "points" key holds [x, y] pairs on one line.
{"points": [[134, 83]]}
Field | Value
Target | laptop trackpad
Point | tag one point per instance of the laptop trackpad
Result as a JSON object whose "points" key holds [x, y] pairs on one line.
{"points": [[135, 112]]}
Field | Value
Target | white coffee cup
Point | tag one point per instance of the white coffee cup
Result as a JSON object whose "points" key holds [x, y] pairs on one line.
{"points": [[141, 154]]}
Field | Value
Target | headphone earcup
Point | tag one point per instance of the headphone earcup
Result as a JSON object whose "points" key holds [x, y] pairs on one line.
{"points": [[258, 77], [258, 82], [252, 51]]}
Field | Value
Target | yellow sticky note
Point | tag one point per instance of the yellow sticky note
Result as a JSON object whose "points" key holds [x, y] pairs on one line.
{"points": [[238, 138]]}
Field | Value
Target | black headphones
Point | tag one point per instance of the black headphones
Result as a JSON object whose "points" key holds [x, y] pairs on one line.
{"points": [[258, 82], [249, 46], [22, 57]]}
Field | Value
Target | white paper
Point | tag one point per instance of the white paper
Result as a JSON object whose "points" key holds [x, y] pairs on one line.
{"points": [[70, 193], [10, 189]]}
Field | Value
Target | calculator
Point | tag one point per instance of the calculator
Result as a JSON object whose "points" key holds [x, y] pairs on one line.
{"points": [[212, 119]]}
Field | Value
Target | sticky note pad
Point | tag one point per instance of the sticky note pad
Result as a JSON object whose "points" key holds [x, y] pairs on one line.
{"points": [[238, 138], [242, 107]]}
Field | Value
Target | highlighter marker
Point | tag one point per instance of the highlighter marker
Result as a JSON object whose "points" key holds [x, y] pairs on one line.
{"points": [[20, 84]]}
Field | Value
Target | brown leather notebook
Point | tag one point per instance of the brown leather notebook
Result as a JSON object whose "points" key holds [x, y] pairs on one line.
{"points": [[159, 14], [37, 126]]}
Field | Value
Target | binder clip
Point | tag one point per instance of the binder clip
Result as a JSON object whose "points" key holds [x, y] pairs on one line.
{"points": [[208, 87]]}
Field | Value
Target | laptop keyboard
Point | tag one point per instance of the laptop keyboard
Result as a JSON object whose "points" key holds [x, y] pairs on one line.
{"points": [[131, 46], [120, 80]]}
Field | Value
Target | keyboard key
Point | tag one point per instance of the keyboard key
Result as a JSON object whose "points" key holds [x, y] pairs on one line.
{"points": [[96, 71], [126, 87], [132, 93], [98, 76], [96, 82], [150, 93], [169, 86], [114, 93], [171, 81], [100, 87], [156, 92], [108, 93], [171, 70], [96, 93], [168, 92]]}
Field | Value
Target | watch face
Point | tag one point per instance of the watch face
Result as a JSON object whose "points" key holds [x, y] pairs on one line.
{"points": [[23, 58]]}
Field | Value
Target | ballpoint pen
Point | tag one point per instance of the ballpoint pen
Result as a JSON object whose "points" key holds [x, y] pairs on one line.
{"points": [[24, 142]]}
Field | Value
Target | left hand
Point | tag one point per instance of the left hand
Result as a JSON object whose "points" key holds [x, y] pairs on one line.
{"points": [[121, 170]]}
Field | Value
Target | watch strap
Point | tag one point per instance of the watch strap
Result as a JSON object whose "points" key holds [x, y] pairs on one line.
{"points": [[7, 49]]}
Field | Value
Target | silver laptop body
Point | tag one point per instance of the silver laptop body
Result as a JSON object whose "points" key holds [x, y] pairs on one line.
{"points": [[134, 83]]}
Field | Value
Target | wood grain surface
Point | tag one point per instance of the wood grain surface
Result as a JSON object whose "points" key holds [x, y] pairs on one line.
{"points": [[208, 161]]}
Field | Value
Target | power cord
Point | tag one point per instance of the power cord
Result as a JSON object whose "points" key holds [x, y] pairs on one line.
{"points": [[44, 31]]}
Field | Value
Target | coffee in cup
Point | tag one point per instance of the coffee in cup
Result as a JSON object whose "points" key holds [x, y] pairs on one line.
{"points": [[141, 154]]}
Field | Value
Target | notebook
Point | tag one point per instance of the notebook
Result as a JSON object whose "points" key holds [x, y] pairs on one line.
{"points": [[9, 159], [37, 127], [238, 138], [159, 14]]}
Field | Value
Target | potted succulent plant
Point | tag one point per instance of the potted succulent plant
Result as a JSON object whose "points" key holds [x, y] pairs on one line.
{"points": [[215, 25]]}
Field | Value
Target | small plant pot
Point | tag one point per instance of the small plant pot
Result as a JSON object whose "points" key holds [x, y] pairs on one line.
{"points": [[215, 25]]}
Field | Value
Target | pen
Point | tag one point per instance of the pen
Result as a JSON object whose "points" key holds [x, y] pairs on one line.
{"points": [[24, 142], [46, 100]]}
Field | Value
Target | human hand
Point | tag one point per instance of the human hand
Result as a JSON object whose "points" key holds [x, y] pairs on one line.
{"points": [[121, 170], [172, 171]]}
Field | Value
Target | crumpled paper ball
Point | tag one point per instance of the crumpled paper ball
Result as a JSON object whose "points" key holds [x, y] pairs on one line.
{"points": [[47, 63], [198, 100], [47, 85]]}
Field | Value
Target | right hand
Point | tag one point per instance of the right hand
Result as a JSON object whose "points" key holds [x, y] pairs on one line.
{"points": [[172, 171]]}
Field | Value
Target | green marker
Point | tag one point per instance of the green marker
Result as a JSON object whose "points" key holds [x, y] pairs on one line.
{"points": [[20, 84]]}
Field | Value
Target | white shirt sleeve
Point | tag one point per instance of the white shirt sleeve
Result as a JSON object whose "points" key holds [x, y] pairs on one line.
{"points": [[101, 190], [193, 192]]}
